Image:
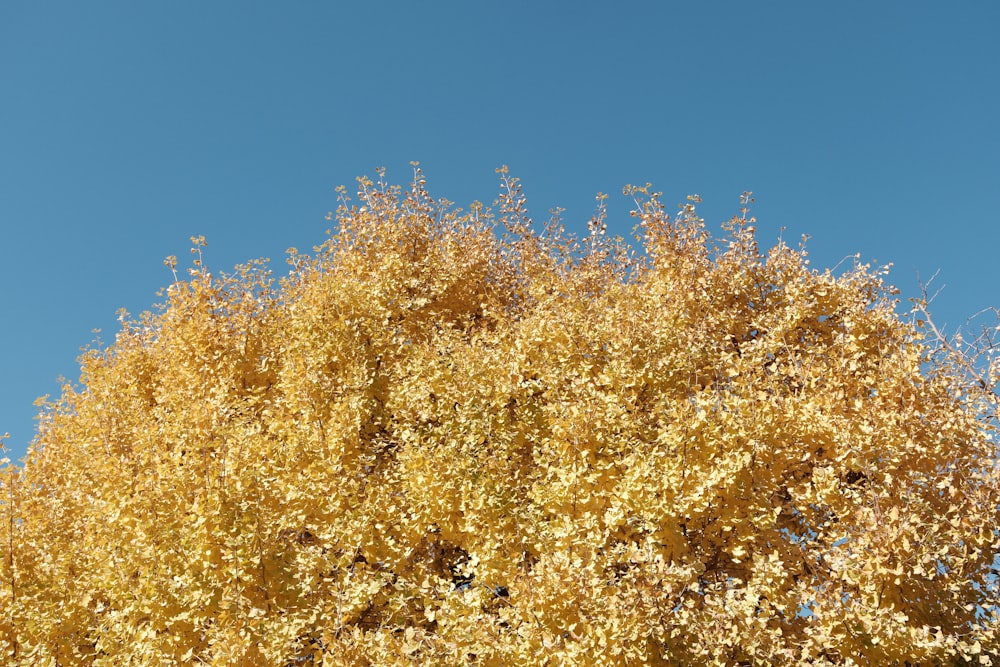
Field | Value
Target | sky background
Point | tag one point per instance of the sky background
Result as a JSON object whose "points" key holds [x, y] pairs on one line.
{"points": [[126, 128]]}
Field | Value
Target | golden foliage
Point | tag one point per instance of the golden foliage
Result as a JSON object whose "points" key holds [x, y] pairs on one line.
{"points": [[430, 444]]}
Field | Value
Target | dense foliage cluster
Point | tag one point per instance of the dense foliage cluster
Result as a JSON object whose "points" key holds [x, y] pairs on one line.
{"points": [[449, 437]]}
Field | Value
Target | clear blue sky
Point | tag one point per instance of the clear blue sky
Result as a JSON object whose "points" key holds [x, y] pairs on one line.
{"points": [[127, 127]]}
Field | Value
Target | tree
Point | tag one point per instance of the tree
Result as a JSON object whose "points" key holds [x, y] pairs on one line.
{"points": [[448, 437]]}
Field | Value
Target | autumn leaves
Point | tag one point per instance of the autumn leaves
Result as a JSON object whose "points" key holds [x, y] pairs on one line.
{"points": [[659, 458]]}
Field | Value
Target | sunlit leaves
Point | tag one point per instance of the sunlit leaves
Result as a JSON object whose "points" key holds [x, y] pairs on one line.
{"points": [[454, 437]]}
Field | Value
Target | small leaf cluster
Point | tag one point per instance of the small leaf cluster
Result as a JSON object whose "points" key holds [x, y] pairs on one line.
{"points": [[449, 437]]}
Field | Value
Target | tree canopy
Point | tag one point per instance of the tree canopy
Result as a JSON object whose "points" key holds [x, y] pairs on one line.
{"points": [[455, 437]]}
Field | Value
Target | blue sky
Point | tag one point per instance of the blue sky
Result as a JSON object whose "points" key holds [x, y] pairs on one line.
{"points": [[129, 127]]}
